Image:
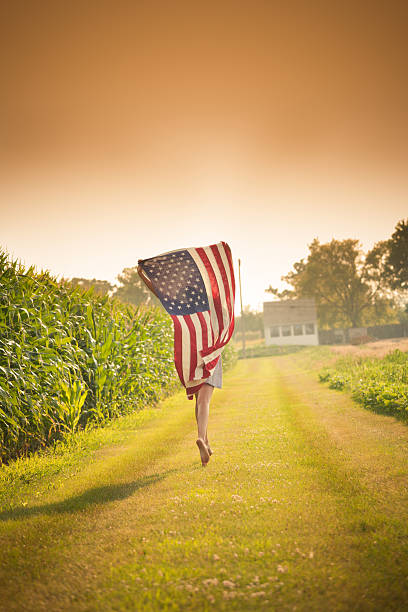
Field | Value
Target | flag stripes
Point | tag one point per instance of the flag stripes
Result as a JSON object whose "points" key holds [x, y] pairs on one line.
{"points": [[200, 335]]}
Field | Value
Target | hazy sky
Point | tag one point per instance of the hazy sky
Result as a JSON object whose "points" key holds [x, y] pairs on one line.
{"points": [[132, 128]]}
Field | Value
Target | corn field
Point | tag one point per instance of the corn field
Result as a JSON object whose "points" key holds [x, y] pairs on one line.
{"points": [[71, 359]]}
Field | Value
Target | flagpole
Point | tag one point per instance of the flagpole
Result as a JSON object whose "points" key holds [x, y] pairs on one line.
{"points": [[242, 311]]}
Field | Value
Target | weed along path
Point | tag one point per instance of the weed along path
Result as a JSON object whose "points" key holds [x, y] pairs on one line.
{"points": [[303, 506]]}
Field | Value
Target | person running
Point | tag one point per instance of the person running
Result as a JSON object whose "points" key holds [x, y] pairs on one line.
{"points": [[196, 287], [202, 396]]}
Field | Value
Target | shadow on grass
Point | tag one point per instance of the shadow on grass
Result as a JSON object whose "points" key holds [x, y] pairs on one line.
{"points": [[97, 495]]}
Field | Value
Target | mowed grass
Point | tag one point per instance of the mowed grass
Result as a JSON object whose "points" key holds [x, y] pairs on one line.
{"points": [[302, 507]]}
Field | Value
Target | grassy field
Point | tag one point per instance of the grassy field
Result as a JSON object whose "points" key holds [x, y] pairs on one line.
{"points": [[302, 507]]}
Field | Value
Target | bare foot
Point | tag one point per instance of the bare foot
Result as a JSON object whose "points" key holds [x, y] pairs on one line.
{"points": [[208, 448], [204, 454]]}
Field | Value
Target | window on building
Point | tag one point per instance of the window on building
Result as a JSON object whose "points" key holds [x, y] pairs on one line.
{"points": [[274, 331], [286, 330], [298, 329], [309, 328]]}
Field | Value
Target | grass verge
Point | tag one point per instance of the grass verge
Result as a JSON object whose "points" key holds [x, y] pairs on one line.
{"points": [[289, 514], [380, 385]]}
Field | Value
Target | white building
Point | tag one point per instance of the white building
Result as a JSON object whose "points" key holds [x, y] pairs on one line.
{"points": [[290, 322]]}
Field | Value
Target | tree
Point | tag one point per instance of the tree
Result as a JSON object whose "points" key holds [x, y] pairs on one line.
{"points": [[286, 294], [397, 257], [346, 289], [253, 321], [102, 287], [387, 263], [133, 290]]}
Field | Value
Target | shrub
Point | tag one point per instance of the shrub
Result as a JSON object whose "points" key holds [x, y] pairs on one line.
{"points": [[229, 357], [378, 384]]}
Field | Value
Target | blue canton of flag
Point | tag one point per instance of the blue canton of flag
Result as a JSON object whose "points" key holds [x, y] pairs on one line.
{"points": [[178, 283]]}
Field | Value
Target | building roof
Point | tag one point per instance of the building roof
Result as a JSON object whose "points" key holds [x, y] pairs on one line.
{"points": [[290, 311]]}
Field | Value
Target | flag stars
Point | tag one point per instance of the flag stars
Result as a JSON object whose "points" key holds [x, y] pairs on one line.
{"points": [[179, 283]]}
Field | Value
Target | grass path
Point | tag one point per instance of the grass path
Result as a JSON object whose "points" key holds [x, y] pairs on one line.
{"points": [[303, 506]]}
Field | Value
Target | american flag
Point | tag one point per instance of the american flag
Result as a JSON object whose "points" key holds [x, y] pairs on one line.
{"points": [[197, 288]]}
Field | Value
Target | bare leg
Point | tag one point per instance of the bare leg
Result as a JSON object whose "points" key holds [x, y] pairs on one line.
{"points": [[203, 397], [206, 434]]}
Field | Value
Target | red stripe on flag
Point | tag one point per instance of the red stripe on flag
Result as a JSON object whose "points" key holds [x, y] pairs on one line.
{"points": [[231, 268], [213, 363], [214, 288], [223, 273], [229, 257], [203, 325], [230, 332], [193, 346], [192, 390], [178, 348]]}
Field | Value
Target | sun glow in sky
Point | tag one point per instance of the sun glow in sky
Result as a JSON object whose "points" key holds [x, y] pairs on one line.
{"points": [[134, 128]]}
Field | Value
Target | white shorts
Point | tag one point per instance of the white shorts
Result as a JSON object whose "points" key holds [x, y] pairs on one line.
{"points": [[215, 380]]}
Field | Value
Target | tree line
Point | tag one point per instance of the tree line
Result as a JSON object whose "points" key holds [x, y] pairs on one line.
{"points": [[351, 288], [130, 289]]}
